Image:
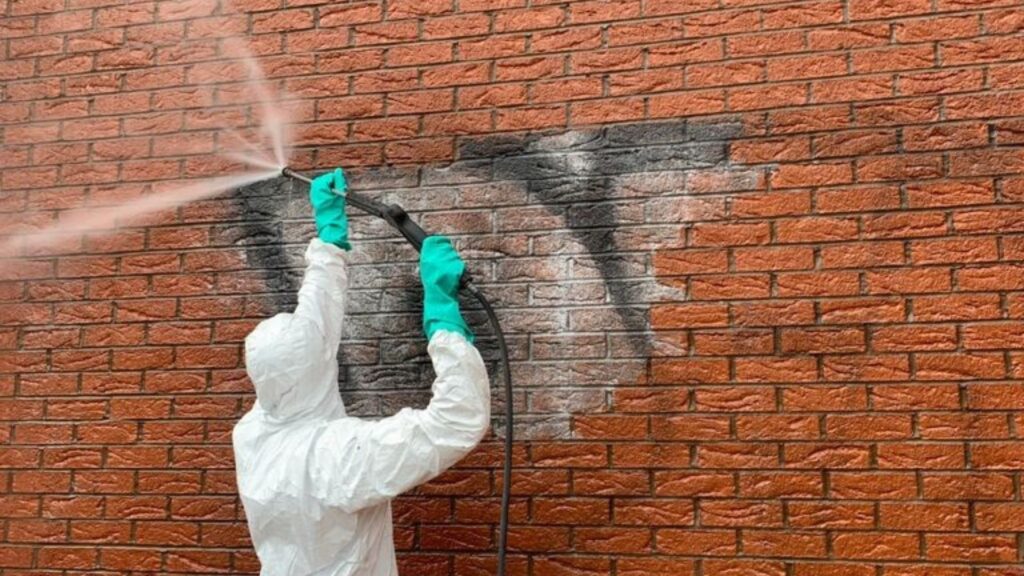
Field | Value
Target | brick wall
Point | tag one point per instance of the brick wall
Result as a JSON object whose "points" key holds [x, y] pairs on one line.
{"points": [[760, 264]]}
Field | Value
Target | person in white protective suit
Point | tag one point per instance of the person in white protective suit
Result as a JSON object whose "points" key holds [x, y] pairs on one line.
{"points": [[317, 484]]}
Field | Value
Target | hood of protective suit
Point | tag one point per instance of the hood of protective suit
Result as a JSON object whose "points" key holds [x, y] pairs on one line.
{"points": [[294, 372]]}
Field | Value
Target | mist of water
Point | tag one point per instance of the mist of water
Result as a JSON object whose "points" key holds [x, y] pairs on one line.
{"points": [[263, 152]]}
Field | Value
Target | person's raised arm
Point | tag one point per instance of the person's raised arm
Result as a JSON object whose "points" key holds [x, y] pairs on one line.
{"points": [[358, 463], [322, 295]]}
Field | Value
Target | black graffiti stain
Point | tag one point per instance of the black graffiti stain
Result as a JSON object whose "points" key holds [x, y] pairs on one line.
{"points": [[572, 174]]}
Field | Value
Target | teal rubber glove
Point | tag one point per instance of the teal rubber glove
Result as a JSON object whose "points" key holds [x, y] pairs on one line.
{"points": [[440, 271], [327, 195]]}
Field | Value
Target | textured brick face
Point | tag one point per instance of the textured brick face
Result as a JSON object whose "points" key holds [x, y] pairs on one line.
{"points": [[760, 264]]}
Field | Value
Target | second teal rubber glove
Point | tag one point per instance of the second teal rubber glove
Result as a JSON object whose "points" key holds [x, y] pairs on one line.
{"points": [[440, 271], [327, 195]]}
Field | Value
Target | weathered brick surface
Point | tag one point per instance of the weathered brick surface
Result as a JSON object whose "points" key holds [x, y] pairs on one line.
{"points": [[760, 264]]}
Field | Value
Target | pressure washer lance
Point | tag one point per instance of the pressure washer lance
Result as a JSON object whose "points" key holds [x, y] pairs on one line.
{"points": [[398, 219]]}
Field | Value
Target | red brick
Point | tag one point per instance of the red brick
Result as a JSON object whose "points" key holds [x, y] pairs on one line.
{"points": [[798, 67], [916, 396], [988, 49], [603, 11], [874, 9], [613, 540], [840, 90], [529, 19], [650, 455], [456, 74], [282, 21], [910, 338], [866, 368], [689, 371], [723, 343], [665, 7], [561, 39], [621, 34], [530, 68], [816, 229], [818, 174], [780, 484], [904, 225], [572, 565], [576, 511], [818, 283], [610, 427], [769, 543], [920, 456], [385, 33], [415, 8], [730, 287], [997, 517], [815, 14], [968, 426], [588, 113], [769, 43], [655, 566], [567, 89], [345, 14], [855, 143], [724, 74], [941, 28], [644, 82], [855, 36], [675, 54], [909, 281], [862, 254], [611, 483], [877, 546], [741, 513], [606, 61], [697, 542], [971, 548], [487, 48], [1003, 21], [721, 22], [771, 150], [686, 103], [831, 515], [736, 455], [487, 96], [428, 149]]}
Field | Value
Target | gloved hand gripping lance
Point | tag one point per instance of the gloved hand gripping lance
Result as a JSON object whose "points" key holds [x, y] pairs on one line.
{"points": [[393, 214], [399, 219]]}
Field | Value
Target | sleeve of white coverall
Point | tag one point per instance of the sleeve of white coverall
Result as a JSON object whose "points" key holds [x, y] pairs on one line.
{"points": [[322, 295], [358, 463]]}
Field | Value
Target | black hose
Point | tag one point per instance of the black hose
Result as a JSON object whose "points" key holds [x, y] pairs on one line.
{"points": [[506, 485]]}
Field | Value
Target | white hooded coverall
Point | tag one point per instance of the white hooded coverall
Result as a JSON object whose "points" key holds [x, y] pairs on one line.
{"points": [[317, 484]]}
